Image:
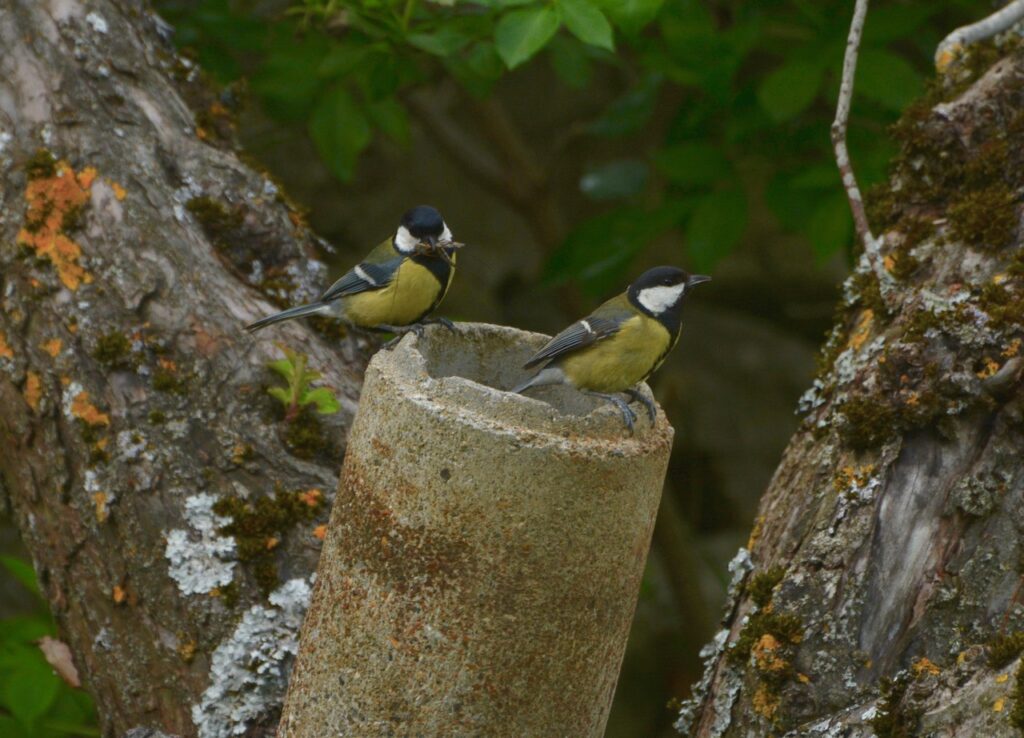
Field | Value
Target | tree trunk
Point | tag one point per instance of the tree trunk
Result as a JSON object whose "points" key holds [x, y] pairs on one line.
{"points": [[170, 509], [880, 592]]}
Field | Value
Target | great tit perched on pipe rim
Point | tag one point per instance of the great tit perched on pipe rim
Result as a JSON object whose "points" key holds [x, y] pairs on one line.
{"points": [[621, 343], [396, 286]]}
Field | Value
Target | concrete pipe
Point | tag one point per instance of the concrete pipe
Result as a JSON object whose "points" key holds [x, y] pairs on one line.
{"points": [[484, 553]]}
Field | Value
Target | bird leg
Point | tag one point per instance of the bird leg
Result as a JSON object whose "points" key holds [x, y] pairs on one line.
{"points": [[440, 321], [628, 416], [652, 409], [399, 331]]}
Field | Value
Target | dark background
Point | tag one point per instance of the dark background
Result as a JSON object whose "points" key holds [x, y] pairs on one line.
{"points": [[701, 140]]}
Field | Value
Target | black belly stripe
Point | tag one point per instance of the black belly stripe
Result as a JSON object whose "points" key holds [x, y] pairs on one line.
{"points": [[442, 272]]}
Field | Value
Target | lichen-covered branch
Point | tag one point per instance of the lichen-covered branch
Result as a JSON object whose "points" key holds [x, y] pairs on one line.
{"points": [[173, 510], [880, 594], [956, 42]]}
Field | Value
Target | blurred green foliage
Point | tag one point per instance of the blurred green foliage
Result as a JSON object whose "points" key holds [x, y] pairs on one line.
{"points": [[750, 89], [34, 701]]}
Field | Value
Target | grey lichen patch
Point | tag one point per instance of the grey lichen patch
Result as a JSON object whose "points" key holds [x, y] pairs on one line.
{"points": [[977, 495], [249, 670], [200, 559]]}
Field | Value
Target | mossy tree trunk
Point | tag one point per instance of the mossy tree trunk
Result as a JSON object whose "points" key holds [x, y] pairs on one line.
{"points": [[881, 590], [170, 511]]}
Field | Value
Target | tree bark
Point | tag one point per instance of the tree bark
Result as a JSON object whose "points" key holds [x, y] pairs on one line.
{"points": [[170, 511], [880, 592]]}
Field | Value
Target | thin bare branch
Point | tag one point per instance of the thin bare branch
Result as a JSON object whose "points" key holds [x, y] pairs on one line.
{"points": [[839, 126], [987, 27]]}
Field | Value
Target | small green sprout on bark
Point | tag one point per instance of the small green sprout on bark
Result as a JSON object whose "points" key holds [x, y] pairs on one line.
{"points": [[297, 394]]}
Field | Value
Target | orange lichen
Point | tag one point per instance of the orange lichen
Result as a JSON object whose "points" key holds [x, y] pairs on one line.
{"points": [[766, 654], [862, 330], [1002, 678], [320, 532], [120, 594], [803, 678], [311, 497], [102, 511], [998, 705], [766, 702], [119, 191], [991, 367], [52, 347], [33, 390], [272, 542], [51, 201], [83, 409], [925, 666], [5, 349], [1013, 349]]}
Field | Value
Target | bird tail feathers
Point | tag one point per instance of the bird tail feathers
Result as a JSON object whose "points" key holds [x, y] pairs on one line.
{"points": [[316, 308], [548, 375]]}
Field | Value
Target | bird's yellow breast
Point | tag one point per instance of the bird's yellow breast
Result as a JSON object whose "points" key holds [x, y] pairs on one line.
{"points": [[619, 362], [412, 294]]}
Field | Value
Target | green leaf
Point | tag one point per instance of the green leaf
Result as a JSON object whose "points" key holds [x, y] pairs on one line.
{"points": [[522, 33], [11, 728], [569, 59], [887, 79], [632, 15], [716, 226], [478, 69], [790, 89], [284, 367], [693, 163], [28, 692], [342, 60], [390, 117], [23, 572], [615, 179], [830, 226], [25, 629], [287, 82], [325, 401], [630, 112], [897, 22], [587, 23], [443, 42], [280, 393], [340, 132]]}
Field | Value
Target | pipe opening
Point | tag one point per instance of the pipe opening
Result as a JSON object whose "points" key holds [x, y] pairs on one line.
{"points": [[493, 357]]}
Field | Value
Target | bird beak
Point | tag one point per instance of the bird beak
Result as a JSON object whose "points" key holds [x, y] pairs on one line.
{"points": [[695, 279], [432, 241]]}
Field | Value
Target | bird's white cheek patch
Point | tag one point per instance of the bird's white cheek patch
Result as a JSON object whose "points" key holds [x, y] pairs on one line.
{"points": [[660, 299], [405, 241], [446, 234]]}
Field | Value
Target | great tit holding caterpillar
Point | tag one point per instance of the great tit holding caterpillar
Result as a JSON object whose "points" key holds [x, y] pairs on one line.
{"points": [[396, 286], [621, 343]]}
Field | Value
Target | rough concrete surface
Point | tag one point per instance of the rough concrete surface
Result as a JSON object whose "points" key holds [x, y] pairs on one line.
{"points": [[484, 553]]}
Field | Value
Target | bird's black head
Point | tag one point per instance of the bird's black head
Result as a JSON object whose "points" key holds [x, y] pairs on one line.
{"points": [[661, 289], [421, 224]]}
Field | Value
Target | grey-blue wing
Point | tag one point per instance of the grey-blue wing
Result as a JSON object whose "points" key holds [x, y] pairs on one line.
{"points": [[579, 335], [363, 278]]}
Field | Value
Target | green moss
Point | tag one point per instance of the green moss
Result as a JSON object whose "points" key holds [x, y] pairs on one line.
{"points": [[114, 351], [164, 380], [73, 219], [894, 719], [218, 222], [1017, 713], [919, 323], [157, 417], [865, 284], [763, 584], [42, 164], [229, 594], [1004, 307], [1004, 648], [305, 435], [915, 229], [786, 628], [259, 526], [870, 421], [985, 218]]}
